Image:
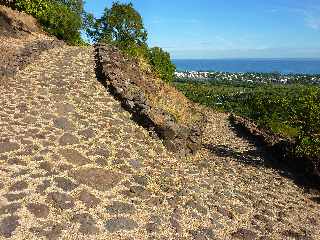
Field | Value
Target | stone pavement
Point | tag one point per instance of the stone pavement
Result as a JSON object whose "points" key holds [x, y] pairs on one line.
{"points": [[73, 165]]}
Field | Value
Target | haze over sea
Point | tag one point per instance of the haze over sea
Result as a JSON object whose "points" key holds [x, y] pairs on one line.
{"points": [[284, 66]]}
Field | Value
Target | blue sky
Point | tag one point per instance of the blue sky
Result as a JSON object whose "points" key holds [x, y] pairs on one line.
{"points": [[229, 29]]}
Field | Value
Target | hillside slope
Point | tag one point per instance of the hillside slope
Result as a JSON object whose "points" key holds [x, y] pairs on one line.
{"points": [[74, 165], [22, 40]]}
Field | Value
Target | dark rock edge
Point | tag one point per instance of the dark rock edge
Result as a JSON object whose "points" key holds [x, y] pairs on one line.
{"points": [[280, 148], [178, 138]]}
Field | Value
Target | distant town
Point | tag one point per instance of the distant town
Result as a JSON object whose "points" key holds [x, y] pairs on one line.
{"points": [[276, 78]]}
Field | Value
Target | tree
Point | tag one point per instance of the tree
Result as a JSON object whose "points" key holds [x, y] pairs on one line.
{"points": [[161, 62], [121, 24]]}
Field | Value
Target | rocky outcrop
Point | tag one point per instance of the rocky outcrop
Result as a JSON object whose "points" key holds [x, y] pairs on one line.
{"points": [[133, 88]]}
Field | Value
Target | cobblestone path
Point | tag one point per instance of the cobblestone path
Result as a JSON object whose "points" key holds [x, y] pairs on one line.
{"points": [[73, 165]]}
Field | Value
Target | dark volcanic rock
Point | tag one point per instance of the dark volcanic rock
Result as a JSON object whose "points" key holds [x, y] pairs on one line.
{"points": [[39, 210], [74, 157], [60, 200], [50, 230], [65, 184], [10, 209], [98, 178], [120, 207], [87, 223], [68, 139], [8, 147], [88, 199], [123, 78], [120, 223], [244, 234], [8, 225]]}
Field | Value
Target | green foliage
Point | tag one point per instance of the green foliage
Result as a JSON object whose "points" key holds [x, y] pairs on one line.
{"points": [[161, 62], [122, 24], [61, 18], [292, 111]]}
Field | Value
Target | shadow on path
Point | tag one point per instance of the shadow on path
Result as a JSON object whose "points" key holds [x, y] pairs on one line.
{"points": [[264, 156]]}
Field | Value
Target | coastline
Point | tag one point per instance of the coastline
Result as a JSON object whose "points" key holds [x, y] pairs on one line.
{"points": [[285, 66]]}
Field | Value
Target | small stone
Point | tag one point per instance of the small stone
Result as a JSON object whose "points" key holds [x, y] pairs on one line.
{"points": [[64, 108], [65, 167], [103, 162], [74, 157], [155, 201], [8, 147], [60, 200], [98, 178], [142, 180], [8, 225], [87, 133], [151, 227], [10, 209], [120, 208], [89, 199], [43, 186], [50, 230], [47, 166], [136, 164], [87, 223], [175, 225], [39, 210], [15, 196], [244, 234], [202, 234], [120, 224], [68, 139], [225, 212], [295, 235], [100, 152], [65, 184], [196, 206], [18, 186], [17, 161], [62, 123], [139, 191]]}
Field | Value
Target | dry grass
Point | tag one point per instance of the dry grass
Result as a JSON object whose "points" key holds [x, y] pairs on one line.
{"points": [[167, 97]]}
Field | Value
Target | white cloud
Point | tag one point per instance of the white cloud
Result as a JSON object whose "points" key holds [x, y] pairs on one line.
{"points": [[313, 22]]}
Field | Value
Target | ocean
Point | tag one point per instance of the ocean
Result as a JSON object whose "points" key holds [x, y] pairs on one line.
{"points": [[284, 66]]}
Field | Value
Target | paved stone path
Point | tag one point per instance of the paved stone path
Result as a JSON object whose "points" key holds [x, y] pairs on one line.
{"points": [[74, 166]]}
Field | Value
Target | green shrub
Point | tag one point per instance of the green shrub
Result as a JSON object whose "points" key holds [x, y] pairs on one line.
{"points": [[57, 17], [161, 62]]}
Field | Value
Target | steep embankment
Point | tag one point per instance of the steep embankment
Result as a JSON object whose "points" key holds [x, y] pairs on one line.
{"points": [[154, 104], [22, 41], [73, 165]]}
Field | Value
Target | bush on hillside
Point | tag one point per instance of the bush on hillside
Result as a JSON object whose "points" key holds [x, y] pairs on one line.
{"points": [[161, 62], [61, 18]]}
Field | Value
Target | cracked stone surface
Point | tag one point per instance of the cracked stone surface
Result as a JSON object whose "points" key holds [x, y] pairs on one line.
{"points": [[73, 165]]}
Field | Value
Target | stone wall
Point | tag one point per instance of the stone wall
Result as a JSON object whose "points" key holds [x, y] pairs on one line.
{"points": [[123, 78]]}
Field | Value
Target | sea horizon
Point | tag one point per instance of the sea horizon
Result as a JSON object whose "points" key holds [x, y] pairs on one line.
{"points": [[263, 65]]}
